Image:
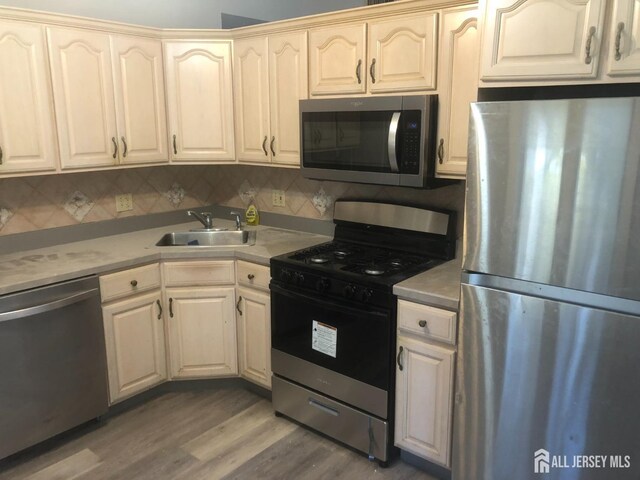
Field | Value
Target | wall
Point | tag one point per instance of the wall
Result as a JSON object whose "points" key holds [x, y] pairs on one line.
{"points": [[40, 202], [184, 13]]}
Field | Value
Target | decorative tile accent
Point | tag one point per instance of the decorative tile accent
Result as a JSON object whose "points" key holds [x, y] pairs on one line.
{"points": [[246, 192], [321, 201], [5, 215], [175, 194], [78, 205]]}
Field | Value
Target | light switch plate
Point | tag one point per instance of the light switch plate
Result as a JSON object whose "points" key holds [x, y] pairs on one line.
{"points": [[124, 202], [277, 198]]}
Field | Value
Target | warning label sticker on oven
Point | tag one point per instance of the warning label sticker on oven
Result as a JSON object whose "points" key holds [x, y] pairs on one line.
{"points": [[324, 338]]}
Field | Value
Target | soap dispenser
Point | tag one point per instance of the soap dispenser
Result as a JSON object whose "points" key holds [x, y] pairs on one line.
{"points": [[252, 217]]}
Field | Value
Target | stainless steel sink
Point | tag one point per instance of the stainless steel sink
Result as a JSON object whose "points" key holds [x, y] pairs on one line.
{"points": [[208, 239]]}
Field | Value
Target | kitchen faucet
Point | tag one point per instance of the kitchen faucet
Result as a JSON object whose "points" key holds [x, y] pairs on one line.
{"points": [[238, 221], [206, 218]]}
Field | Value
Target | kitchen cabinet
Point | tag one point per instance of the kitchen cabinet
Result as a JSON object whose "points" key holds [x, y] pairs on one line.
{"points": [[253, 312], [270, 77], [109, 98], [424, 381], [201, 322], [393, 54], [457, 88], [133, 318], [27, 129], [624, 35], [541, 39], [199, 101]]}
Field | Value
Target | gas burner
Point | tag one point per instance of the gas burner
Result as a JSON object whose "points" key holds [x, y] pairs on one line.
{"points": [[342, 253], [374, 270], [397, 262], [319, 260]]}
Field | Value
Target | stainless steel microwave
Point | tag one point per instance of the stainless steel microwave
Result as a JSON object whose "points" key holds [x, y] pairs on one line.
{"points": [[381, 140]]}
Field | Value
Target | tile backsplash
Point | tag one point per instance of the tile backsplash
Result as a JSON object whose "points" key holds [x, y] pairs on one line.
{"points": [[40, 202]]}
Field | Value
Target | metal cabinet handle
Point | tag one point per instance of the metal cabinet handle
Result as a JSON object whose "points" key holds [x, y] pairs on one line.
{"points": [[171, 307], [251, 276], [441, 151], [372, 71], [1, 155], [331, 411], [238, 305], [422, 323], [358, 71], [175, 146], [399, 359], [618, 39], [134, 283], [587, 58], [48, 307], [264, 146], [159, 309], [124, 152], [115, 147], [273, 152]]}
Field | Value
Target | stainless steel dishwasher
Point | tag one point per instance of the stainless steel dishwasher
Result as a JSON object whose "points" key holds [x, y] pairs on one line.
{"points": [[53, 373]]}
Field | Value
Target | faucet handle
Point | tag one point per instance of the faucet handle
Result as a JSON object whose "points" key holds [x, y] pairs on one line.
{"points": [[238, 221]]}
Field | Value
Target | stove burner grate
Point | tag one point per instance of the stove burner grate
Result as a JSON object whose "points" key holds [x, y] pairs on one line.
{"points": [[319, 260], [374, 270]]}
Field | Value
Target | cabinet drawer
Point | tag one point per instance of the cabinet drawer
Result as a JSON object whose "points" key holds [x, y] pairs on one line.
{"points": [[427, 322], [129, 282], [179, 274], [253, 275]]}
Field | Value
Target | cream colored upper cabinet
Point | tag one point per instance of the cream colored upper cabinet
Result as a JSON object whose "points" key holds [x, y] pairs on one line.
{"points": [[83, 93], [287, 86], [402, 53], [458, 87], [199, 101], [624, 35], [251, 82], [27, 132], [337, 58], [139, 95], [541, 39]]}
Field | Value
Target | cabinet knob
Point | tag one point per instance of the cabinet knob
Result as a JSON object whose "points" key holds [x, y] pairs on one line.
{"points": [[134, 283], [422, 323], [251, 276]]}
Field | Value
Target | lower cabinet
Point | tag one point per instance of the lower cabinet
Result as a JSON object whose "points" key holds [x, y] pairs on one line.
{"points": [[424, 382], [201, 332], [254, 335]]}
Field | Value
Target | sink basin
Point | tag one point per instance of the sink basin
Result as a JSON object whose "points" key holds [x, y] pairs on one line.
{"points": [[207, 239]]}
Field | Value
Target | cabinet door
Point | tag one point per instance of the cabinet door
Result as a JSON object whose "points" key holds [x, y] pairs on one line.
{"points": [[202, 332], [139, 90], [254, 335], [27, 140], [134, 334], [199, 100], [424, 389], [251, 81], [541, 39], [458, 87], [83, 94], [337, 58], [287, 86], [402, 53], [624, 50]]}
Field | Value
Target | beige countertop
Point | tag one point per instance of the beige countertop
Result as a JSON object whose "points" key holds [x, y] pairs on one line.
{"points": [[439, 287]]}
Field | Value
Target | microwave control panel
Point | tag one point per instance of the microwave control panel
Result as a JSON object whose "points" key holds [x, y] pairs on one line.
{"points": [[410, 154]]}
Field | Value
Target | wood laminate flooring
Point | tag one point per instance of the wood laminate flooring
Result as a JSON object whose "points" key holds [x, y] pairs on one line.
{"points": [[230, 433]]}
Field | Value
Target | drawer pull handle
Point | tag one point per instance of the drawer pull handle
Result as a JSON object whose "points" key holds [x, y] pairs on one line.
{"points": [[399, 359], [372, 71], [264, 146], [324, 408], [134, 283], [251, 276], [171, 307], [441, 151], [591, 34], [422, 323], [159, 309], [115, 147], [358, 74], [618, 39], [175, 146], [126, 149], [273, 152], [238, 305]]}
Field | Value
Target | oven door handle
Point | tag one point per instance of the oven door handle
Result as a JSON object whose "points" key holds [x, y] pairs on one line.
{"points": [[392, 141]]}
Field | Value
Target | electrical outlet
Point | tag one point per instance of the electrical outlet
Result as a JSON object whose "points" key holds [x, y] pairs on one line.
{"points": [[277, 198], [124, 202]]}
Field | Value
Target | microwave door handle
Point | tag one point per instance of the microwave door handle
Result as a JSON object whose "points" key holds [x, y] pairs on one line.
{"points": [[391, 141]]}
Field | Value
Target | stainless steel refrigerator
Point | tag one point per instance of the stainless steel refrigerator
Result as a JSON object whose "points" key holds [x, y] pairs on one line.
{"points": [[549, 349]]}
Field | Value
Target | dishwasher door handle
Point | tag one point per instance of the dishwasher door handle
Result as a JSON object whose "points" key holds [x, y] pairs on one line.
{"points": [[47, 307]]}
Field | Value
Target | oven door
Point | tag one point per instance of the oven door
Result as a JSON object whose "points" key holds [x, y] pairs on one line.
{"points": [[333, 347]]}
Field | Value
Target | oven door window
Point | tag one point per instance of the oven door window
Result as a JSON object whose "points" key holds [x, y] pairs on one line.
{"points": [[351, 341], [346, 140]]}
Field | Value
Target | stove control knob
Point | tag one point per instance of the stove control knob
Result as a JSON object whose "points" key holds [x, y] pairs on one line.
{"points": [[285, 276], [366, 295], [298, 278], [323, 285], [349, 291]]}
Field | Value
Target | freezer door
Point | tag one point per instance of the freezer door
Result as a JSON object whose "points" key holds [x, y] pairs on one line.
{"points": [[536, 375], [553, 193]]}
